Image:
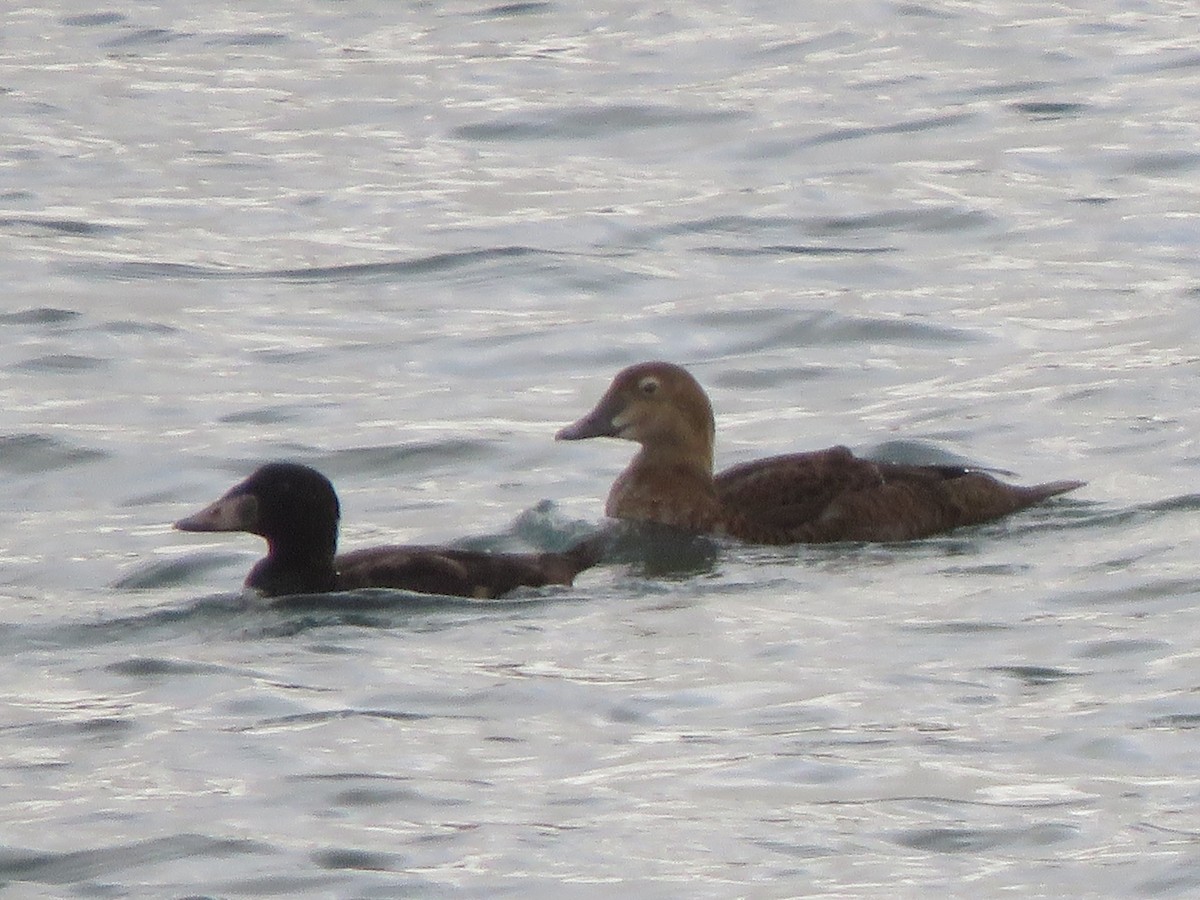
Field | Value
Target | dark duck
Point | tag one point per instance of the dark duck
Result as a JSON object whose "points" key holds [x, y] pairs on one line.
{"points": [[296, 510], [815, 497]]}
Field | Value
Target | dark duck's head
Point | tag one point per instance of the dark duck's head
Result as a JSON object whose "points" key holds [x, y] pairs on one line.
{"points": [[296, 510]]}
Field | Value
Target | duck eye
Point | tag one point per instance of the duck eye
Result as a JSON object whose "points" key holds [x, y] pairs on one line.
{"points": [[648, 386]]}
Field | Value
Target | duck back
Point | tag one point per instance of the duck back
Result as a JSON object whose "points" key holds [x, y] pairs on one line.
{"points": [[832, 495], [462, 573]]}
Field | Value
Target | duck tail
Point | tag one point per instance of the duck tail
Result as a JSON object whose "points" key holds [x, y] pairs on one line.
{"points": [[590, 550], [583, 554], [1035, 493]]}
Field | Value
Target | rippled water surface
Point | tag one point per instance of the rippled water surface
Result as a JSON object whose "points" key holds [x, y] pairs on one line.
{"points": [[406, 242]]}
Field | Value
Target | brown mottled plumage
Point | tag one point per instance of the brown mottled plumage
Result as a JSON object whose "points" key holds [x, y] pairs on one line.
{"points": [[295, 509], [817, 497]]}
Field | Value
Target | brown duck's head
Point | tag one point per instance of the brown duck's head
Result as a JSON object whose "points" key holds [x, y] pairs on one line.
{"points": [[657, 404]]}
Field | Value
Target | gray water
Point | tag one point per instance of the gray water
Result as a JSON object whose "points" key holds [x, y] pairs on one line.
{"points": [[406, 242]]}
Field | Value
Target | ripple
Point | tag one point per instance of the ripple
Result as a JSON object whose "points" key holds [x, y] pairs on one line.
{"points": [[267, 415], [307, 720], [389, 270], [174, 572], [1165, 162], [156, 667], [958, 627], [40, 315], [543, 527], [796, 250], [660, 552], [61, 226], [105, 727], [588, 123], [1163, 62], [392, 459], [1035, 676], [1177, 721], [727, 224], [143, 37], [354, 607], [89, 20], [370, 789], [32, 453], [102, 729], [927, 219], [87, 865], [980, 840], [245, 617], [765, 330], [1122, 647], [766, 377], [1179, 503], [1137, 591], [60, 363], [365, 860], [434, 263], [1179, 881], [248, 39], [360, 797], [921, 11], [1048, 110], [507, 10], [909, 126], [128, 326], [284, 886], [756, 228]]}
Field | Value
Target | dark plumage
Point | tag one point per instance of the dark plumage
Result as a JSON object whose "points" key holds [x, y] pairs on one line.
{"points": [[296, 510], [817, 497]]}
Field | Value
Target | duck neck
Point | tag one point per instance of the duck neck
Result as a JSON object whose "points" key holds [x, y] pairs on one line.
{"points": [[296, 566], [696, 461], [666, 485]]}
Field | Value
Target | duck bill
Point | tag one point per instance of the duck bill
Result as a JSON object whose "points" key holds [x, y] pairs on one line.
{"points": [[598, 423], [230, 513]]}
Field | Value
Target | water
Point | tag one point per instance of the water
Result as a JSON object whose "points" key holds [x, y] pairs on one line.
{"points": [[407, 242]]}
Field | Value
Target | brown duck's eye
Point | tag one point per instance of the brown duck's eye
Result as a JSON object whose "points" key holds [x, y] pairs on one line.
{"points": [[648, 386]]}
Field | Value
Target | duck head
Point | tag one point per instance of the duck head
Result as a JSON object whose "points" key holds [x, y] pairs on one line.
{"points": [[658, 405], [278, 501]]}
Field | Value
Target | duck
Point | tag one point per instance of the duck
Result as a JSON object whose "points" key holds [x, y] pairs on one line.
{"points": [[295, 508], [814, 497]]}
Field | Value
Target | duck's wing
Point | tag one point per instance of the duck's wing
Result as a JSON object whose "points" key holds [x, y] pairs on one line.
{"points": [[462, 573], [426, 570], [832, 495], [794, 490]]}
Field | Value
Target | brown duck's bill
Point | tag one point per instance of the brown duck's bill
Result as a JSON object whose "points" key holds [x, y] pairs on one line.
{"points": [[597, 423], [238, 513]]}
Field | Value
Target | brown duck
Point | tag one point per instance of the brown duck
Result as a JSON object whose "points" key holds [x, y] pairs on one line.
{"points": [[817, 497], [296, 510]]}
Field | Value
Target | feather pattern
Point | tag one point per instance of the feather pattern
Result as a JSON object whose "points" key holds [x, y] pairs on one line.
{"points": [[815, 497]]}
